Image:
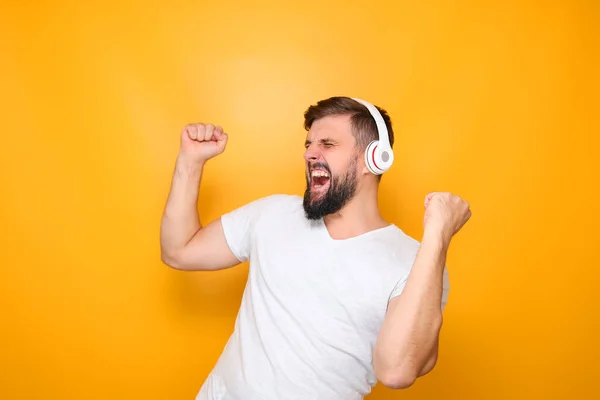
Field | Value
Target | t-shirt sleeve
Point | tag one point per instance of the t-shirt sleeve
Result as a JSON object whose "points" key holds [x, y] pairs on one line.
{"points": [[239, 226], [399, 287]]}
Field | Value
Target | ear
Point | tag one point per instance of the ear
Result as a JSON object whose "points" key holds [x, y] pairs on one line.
{"points": [[362, 166], [364, 170]]}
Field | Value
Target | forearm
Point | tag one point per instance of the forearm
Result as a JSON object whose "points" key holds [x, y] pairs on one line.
{"points": [[180, 220], [407, 342]]}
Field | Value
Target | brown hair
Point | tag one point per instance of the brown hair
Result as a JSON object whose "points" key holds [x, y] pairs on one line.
{"points": [[363, 124]]}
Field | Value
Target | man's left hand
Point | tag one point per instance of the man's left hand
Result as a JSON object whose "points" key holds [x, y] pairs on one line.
{"points": [[445, 215]]}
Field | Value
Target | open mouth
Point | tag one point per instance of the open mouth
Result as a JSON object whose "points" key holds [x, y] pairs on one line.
{"points": [[319, 179]]}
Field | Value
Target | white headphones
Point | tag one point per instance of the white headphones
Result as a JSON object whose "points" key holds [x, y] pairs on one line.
{"points": [[379, 156]]}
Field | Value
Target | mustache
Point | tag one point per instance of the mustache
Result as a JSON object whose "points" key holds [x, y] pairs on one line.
{"points": [[319, 165]]}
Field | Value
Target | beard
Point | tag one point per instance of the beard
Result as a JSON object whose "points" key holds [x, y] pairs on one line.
{"points": [[341, 190]]}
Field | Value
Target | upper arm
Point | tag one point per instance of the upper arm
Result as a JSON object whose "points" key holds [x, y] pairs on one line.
{"points": [[226, 241], [208, 250]]}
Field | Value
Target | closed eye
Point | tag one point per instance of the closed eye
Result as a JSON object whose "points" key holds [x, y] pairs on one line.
{"points": [[324, 142]]}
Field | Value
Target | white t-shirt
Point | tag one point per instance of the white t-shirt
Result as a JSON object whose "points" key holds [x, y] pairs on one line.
{"points": [[312, 306]]}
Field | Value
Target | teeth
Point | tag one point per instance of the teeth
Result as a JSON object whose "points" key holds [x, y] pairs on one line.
{"points": [[319, 173]]}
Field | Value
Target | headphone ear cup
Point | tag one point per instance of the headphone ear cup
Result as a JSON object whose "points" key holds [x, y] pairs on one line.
{"points": [[372, 158]]}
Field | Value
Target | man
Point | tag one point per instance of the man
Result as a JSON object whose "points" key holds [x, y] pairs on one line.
{"points": [[337, 298]]}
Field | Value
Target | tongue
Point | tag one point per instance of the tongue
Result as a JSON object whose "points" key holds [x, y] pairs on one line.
{"points": [[320, 181]]}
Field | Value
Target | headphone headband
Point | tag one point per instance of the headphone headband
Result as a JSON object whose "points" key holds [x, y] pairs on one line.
{"points": [[384, 140]]}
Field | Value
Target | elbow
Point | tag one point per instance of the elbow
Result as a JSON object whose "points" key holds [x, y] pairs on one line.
{"points": [[182, 261], [398, 380], [428, 367], [404, 377], [171, 260]]}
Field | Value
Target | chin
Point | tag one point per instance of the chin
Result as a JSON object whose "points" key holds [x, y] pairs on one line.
{"points": [[316, 194], [320, 203]]}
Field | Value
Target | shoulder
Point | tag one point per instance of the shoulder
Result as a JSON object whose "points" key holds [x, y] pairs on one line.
{"points": [[270, 205], [401, 243], [404, 250], [282, 198], [278, 202], [407, 249]]}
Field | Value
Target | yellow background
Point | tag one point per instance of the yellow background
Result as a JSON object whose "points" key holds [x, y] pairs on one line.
{"points": [[495, 101]]}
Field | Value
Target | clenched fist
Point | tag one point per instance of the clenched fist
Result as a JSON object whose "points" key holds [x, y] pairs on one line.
{"points": [[445, 214], [201, 142]]}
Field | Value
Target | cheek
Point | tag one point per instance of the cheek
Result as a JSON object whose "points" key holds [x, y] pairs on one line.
{"points": [[339, 173], [345, 166]]}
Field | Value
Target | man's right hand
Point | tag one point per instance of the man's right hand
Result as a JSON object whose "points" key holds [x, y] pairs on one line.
{"points": [[201, 142]]}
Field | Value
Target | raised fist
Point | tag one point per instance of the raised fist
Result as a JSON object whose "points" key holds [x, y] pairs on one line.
{"points": [[201, 142], [445, 214]]}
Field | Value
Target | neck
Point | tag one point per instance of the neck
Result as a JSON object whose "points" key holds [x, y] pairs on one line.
{"points": [[358, 216]]}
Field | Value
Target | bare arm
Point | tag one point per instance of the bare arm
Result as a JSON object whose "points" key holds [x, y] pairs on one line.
{"points": [[407, 345], [185, 243], [408, 340]]}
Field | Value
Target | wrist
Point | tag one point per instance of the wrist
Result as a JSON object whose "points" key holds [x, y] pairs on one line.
{"points": [[189, 165], [436, 238]]}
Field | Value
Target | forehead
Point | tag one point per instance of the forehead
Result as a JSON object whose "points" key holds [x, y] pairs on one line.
{"points": [[335, 127]]}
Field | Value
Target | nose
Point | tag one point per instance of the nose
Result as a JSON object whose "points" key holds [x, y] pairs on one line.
{"points": [[312, 154]]}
